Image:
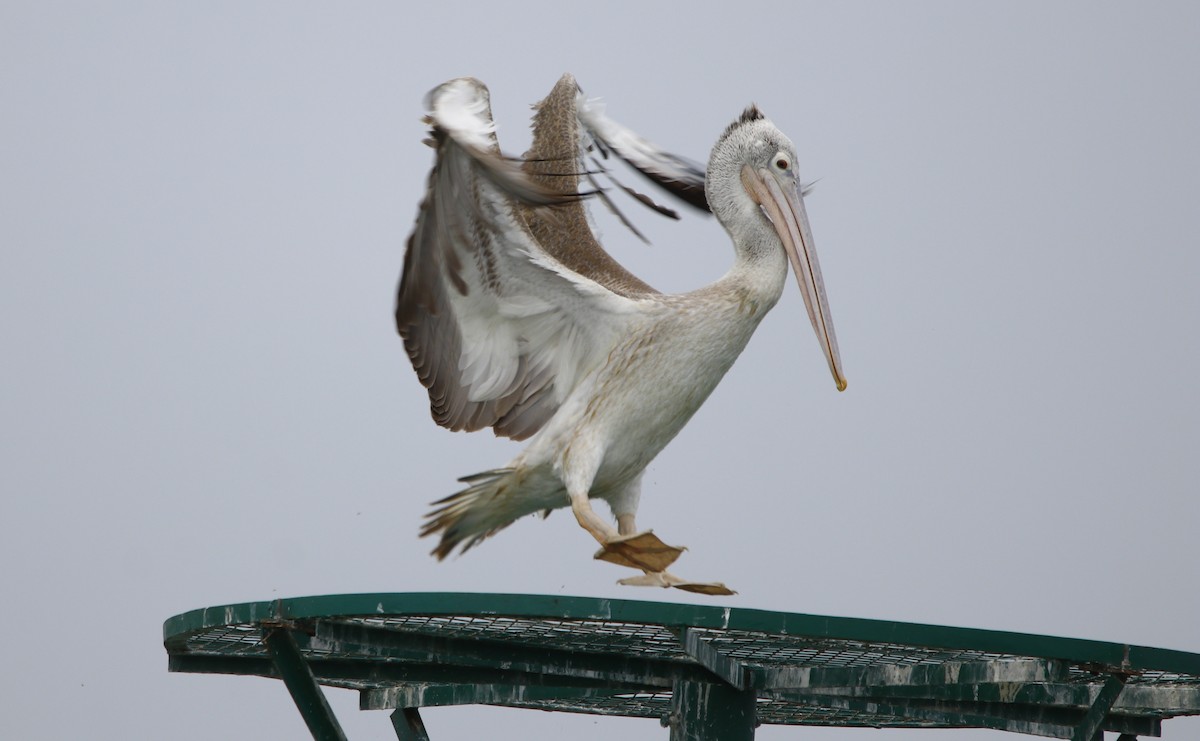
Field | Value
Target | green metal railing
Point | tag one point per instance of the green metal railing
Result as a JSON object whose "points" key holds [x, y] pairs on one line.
{"points": [[706, 672]]}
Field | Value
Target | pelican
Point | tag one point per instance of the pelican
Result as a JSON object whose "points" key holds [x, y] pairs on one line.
{"points": [[515, 318]]}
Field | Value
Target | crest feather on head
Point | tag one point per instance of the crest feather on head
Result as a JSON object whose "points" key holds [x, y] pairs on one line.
{"points": [[752, 113]]}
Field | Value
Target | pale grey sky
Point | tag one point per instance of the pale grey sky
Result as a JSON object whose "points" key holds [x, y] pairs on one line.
{"points": [[202, 216]]}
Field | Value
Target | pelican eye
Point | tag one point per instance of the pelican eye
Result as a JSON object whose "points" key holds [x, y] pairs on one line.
{"points": [[781, 163]]}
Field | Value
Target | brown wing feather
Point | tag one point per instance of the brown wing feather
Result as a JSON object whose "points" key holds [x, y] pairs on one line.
{"points": [[554, 162]]}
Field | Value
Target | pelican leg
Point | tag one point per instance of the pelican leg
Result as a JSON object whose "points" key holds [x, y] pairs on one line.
{"points": [[626, 524], [636, 550], [633, 549], [581, 506]]}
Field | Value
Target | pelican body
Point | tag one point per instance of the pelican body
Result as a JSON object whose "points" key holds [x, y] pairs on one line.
{"points": [[515, 318]]}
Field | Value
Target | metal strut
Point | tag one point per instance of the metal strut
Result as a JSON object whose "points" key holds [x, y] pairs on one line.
{"points": [[306, 693], [408, 725], [1091, 727]]}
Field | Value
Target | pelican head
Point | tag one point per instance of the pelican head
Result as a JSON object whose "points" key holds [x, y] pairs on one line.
{"points": [[753, 188]]}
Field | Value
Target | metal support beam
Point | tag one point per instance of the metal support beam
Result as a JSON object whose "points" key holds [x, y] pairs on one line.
{"points": [[945, 675], [298, 677], [549, 666], [703, 711], [1027, 719], [408, 725], [354, 673], [1135, 699], [1093, 722], [424, 695]]}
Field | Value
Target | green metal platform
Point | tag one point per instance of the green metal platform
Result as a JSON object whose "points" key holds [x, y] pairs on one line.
{"points": [[708, 673]]}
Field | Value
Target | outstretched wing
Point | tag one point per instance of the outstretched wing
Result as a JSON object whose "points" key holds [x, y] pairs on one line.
{"points": [[502, 312]]}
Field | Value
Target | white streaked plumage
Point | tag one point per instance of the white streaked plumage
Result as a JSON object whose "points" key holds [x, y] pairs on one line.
{"points": [[515, 318]]}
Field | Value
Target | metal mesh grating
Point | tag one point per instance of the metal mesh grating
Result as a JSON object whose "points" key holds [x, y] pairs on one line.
{"points": [[229, 640]]}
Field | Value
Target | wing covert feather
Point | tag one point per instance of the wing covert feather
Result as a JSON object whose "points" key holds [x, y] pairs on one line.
{"points": [[678, 175]]}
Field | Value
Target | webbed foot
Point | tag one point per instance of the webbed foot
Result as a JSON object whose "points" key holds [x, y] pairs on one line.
{"points": [[643, 551], [667, 579]]}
